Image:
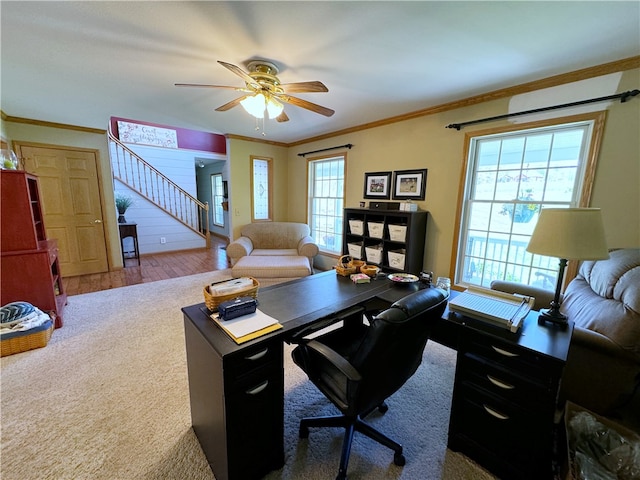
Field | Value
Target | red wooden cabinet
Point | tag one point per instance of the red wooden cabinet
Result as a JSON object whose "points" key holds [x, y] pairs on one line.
{"points": [[29, 267]]}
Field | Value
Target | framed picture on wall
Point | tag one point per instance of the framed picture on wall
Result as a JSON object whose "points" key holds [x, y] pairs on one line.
{"points": [[409, 184], [377, 185]]}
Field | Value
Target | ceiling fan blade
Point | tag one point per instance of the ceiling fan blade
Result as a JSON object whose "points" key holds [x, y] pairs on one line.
{"points": [[241, 73], [231, 104], [282, 117], [205, 86], [298, 102], [304, 87]]}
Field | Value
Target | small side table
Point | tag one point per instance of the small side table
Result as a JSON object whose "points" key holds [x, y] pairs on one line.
{"points": [[129, 230]]}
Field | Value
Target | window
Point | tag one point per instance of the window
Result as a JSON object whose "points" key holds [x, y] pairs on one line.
{"points": [[261, 175], [217, 194], [326, 202], [510, 177]]}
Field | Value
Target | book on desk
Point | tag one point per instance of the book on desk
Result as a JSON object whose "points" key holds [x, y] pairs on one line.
{"points": [[247, 327], [498, 308]]}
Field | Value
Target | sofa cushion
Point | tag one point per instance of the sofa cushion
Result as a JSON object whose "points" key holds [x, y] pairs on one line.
{"points": [[265, 266], [275, 234], [275, 251], [605, 298]]}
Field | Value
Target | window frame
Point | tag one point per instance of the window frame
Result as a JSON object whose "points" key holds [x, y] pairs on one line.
{"points": [[214, 194], [597, 118], [310, 216], [269, 162]]}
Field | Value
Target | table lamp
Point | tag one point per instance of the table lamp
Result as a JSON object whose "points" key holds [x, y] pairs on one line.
{"points": [[569, 234]]}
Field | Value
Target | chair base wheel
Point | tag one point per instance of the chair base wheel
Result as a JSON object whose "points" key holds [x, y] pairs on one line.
{"points": [[303, 432], [399, 459], [383, 407]]}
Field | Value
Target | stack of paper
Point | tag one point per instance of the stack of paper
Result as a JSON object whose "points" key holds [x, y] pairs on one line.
{"points": [[248, 327]]}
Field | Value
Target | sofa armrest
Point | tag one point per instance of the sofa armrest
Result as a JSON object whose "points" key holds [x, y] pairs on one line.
{"points": [[599, 375], [307, 247], [543, 297], [240, 247]]}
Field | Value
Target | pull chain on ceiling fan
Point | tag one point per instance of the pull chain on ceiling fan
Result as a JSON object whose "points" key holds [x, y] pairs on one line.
{"points": [[264, 95]]}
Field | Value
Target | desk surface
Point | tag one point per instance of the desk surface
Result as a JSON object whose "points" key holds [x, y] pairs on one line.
{"points": [[301, 302], [296, 304]]}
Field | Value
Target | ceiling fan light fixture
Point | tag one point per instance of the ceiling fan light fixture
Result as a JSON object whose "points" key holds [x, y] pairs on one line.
{"points": [[274, 107], [254, 105]]}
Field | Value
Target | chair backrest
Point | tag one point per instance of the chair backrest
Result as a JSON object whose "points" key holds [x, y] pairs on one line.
{"points": [[391, 351]]}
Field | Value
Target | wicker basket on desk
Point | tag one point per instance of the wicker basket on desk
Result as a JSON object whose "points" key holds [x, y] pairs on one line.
{"points": [[345, 266], [212, 301]]}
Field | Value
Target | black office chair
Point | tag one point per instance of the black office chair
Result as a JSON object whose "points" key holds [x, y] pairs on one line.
{"points": [[358, 367]]}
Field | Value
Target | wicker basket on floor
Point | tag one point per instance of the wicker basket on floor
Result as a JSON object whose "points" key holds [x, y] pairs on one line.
{"points": [[28, 341], [212, 301]]}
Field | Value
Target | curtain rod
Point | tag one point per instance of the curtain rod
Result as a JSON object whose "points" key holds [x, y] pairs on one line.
{"points": [[622, 96], [348, 145]]}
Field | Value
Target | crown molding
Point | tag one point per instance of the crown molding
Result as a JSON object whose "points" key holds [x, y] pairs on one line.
{"points": [[570, 77]]}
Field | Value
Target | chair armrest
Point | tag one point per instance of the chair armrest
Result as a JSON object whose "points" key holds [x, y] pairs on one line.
{"points": [[335, 359], [599, 375], [543, 297], [307, 247], [240, 247]]}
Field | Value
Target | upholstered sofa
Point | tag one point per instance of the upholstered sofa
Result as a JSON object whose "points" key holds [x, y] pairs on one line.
{"points": [[603, 367], [282, 250]]}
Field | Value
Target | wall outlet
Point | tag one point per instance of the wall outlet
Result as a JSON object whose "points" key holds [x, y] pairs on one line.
{"points": [[163, 240]]}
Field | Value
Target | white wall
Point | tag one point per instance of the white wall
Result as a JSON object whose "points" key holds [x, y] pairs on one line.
{"points": [[153, 225]]}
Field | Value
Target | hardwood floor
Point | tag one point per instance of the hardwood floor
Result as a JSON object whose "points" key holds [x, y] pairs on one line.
{"points": [[153, 267]]}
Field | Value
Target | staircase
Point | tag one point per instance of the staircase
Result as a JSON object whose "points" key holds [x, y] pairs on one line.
{"points": [[133, 171]]}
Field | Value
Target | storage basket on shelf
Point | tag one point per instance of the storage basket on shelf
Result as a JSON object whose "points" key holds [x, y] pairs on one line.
{"points": [[374, 253], [355, 249], [397, 233], [396, 258], [376, 229], [212, 300], [356, 227]]}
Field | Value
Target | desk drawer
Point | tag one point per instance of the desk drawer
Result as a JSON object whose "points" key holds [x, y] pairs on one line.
{"points": [[513, 358], [248, 360], [516, 434], [509, 385]]}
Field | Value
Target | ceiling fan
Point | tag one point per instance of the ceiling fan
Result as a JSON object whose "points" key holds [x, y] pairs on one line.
{"points": [[263, 91]]}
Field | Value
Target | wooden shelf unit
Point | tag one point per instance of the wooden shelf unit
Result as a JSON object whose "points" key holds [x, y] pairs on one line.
{"points": [[412, 243], [30, 270]]}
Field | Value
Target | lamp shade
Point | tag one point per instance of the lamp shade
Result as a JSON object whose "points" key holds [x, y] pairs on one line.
{"points": [[569, 233]]}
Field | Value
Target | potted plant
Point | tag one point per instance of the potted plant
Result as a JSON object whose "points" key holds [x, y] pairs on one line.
{"points": [[521, 212], [122, 203]]}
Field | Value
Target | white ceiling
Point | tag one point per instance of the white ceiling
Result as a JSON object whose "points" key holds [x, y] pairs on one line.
{"points": [[80, 63]]}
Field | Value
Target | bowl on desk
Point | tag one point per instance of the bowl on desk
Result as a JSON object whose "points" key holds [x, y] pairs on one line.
{"points": [[402, 278]]}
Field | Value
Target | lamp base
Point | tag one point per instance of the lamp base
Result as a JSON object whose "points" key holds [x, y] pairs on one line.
{"points": [[554, 316]]}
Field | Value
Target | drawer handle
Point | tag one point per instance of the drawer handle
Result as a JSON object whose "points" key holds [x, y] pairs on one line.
{"points": [[494, 413], [504, 352], [258, 389], [500, 383], [258, 355]]}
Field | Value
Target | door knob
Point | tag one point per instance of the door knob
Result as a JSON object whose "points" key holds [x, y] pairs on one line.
{"points": [[97, 220]]}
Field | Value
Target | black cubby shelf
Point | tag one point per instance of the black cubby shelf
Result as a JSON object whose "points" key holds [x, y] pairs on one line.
{"points": [[391, 239]]}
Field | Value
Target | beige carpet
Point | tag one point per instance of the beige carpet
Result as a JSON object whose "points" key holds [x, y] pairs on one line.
{"points": [[108, 399]]}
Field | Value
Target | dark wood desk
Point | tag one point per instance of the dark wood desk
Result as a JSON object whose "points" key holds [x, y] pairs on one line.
{"points": [[237, 391]]}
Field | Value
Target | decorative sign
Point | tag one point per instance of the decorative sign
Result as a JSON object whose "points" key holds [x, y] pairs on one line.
{"points": [[147, 135]]}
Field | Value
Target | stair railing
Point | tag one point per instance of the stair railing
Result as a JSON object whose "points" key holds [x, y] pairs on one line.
{"points": [[132, 170]]}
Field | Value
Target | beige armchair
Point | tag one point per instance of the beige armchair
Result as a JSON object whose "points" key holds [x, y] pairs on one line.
{"points": [[283, 250], [603, 368]]}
